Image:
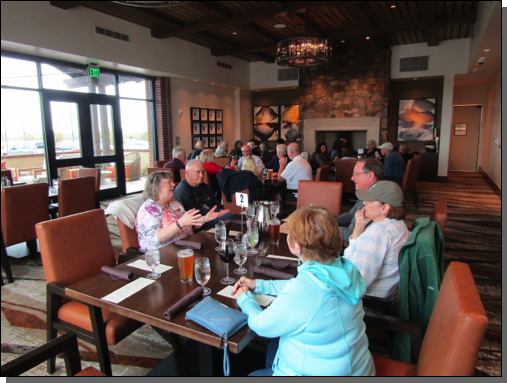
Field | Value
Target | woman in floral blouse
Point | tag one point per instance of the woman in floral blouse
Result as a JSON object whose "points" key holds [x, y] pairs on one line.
{"points": [[161, 219]]}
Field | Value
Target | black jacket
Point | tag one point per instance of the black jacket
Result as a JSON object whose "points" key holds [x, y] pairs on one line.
{"points": [[231, 182]]}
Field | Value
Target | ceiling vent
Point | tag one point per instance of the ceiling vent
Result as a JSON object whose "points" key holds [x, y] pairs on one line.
{"points": [[288, 74], [113, 34], [414, 64], [224, 65]]}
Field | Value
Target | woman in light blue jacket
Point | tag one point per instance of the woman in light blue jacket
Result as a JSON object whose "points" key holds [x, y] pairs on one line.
{"points": [[317, 315]]}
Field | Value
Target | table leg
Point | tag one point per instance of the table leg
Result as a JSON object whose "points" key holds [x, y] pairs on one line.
{"points": [[205, 359], [99, 331]]}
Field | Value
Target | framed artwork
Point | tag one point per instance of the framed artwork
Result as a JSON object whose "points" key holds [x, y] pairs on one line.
{"points": [[194, 112], [204, 114], [204, 128], [218, 115], [212, 128], [416, 119], [289, 117], [266, 123], [211, 115], [219, 140], [195, 140], [206, 142], [460, 129], [219, 128], [196, 129], [212, 142]]}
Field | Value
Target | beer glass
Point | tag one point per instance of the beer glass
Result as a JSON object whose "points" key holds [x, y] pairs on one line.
{"points": [[274, 232], [186, 264]]}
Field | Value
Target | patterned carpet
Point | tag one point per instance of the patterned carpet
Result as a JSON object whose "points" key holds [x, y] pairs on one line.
{"points": [[472, 235]]}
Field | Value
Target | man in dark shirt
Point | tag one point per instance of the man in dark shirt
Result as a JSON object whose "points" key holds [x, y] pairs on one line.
{"points": [[193, 193], [198, 149], [177, 163], [394, 164]]}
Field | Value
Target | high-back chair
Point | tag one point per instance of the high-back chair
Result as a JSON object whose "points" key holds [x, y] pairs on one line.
{"points": [[322, 173], [87, 172], [439, 214], [74, 248], [207, 179], [454, 335], [320, 193], [410, 178], [182, 174], [22, 207], [235, 209], [222, 161], [7, 173], [153, 170], [76, 196], [343, 174], [161, 163], [125, 212]]}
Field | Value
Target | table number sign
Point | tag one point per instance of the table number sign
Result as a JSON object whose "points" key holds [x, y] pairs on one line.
{"points": [[242, 199]]}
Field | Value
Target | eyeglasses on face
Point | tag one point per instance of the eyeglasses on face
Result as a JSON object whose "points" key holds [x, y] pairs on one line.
{"points": [[358, 173]]}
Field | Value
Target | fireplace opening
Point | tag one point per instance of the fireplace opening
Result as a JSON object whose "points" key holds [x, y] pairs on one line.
{"points": [[357, 138]]}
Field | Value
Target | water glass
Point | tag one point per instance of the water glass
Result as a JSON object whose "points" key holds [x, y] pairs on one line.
{"points": [[240, 257], [203, 273], [250, 212], [152, 258], [252, 236], [220, 231]]}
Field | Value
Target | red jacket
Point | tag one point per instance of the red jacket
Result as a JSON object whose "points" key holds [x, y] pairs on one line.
{"points": [[212, 168]]}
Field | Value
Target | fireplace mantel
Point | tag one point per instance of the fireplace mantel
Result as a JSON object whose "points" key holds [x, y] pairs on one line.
{"points": [[369, 124]]}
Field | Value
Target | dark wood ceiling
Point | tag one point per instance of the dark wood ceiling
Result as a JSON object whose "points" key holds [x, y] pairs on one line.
{"points": [[245, 29]]}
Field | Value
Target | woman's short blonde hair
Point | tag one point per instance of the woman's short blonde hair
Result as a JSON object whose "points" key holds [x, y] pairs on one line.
{"points": [[404, 148], [207, 156], [249, 164], [153, 182], [317, 232], [371, 142]]}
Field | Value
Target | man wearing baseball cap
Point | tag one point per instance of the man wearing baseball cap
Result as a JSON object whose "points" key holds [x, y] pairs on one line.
{"points": [[394, 164], [374, 250]]}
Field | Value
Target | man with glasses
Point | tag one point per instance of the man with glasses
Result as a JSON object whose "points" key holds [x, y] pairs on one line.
{"points": [[366, 173], [193, 193], [247, 152]]}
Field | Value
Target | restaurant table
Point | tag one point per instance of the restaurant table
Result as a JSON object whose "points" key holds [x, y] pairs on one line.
{"points": [[149, 304], [273, 186]]}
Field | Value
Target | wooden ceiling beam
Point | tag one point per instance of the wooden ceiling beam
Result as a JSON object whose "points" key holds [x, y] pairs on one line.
{"points": [[428, 13]]}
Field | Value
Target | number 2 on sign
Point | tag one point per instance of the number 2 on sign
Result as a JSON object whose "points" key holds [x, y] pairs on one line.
{"points": [[242, 199]]}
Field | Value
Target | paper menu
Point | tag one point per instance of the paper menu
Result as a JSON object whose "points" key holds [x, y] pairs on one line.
{"points": [[262, 299], [128, 290], [141, 264]]}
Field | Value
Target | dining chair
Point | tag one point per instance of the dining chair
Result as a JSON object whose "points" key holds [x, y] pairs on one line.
{"points": [[182, 174], [439, 214], [161, 169], [322, 173], [222, 161], [161, 163], [410, 178], [234, 209], [76, 195], [125, 211], [22, 207], [7, 173], [206, 178], [343, 174], [454, 335], [320, 193], [92, 172], [74, 248]]}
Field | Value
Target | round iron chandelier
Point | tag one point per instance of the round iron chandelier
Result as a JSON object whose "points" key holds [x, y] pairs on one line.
{"points": [[303, 51]]}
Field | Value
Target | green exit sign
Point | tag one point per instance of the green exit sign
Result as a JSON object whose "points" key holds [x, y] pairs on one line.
{"points": [[93, 72]]}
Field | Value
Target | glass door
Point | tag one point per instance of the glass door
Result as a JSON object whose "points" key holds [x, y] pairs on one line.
{"points": [[83, 130]]}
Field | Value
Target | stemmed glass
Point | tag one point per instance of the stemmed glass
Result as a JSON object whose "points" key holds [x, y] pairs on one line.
{"points": [[240, 257], [152, 258], [262, 254], [275, 208], [225, 222], [226, 254], [250, 212], [252, 238], [220, 231], [203, 273]]}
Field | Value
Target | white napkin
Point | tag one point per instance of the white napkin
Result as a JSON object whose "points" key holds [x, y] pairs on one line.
{"points": [[128, 290], [141, 264], [262, 299]]}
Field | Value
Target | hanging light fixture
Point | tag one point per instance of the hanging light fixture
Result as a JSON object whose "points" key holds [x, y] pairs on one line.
{"points": [[303, 51], [151, 4]]}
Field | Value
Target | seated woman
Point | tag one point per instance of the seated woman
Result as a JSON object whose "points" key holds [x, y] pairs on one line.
{"points": [[236, 151], [374, 249], [336, 152], [249, 164], [220, 152], [318, 315], [321, 156], [281, 151], [161, 219], [405, 151], [208, 159], [371, 148]]}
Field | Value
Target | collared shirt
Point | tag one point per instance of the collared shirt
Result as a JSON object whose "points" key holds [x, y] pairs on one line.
{"points": [[298, 170], [258, 161], [375, 254]]}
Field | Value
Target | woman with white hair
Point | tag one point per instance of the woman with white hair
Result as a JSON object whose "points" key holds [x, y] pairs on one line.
{"points": [[281, 151], [222, 150], [371, 148]]}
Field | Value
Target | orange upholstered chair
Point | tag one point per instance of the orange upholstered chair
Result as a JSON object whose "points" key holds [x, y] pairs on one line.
{"points": [[454, 334], [439, 214], [235, 209], [343, 174], [161, 163], [410, 178], [222, 161], [76, 196], [320, 193], [92, 172], [183, 174], [153, 170], [322, 173], [74, 248], [7, 173], [22, 207]]}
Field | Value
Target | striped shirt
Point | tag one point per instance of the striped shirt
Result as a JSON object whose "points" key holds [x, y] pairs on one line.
{"points": [[375, 254]]}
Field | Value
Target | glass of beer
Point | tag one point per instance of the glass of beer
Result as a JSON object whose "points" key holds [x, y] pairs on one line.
{"points": [[186, 264], [270, 174], [274, 232]]}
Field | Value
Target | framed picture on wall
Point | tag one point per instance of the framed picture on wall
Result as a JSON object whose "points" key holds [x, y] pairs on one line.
{"points": [[218, 115], [206, 142], [212, 142], [212, 128], [266, 123], [416, 119], [211, 115], [196, 129], [195, 140], [219, 128], [289, 117], [204, 114], [219, 140], [204, 128], [194, 112]]}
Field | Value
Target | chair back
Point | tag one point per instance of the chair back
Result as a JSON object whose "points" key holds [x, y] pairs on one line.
{"points": [[153, 170], [125, 211], [22, 207], [411, 173], [128, 236], [439, 214], [456, 328], [320, 193], [76, 247], [86, 172], [235, 209], [161, 163], [344, 170], [322, 173], [267, 157], [76, 196], [133, 163], [182, 174], [222, 161], [207, 179], [7, 173]]}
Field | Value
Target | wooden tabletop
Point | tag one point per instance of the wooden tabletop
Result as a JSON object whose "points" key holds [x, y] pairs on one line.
{"points": [[149, 304]]}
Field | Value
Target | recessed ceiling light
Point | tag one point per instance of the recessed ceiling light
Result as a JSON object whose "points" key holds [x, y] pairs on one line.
{"points": [[234, 33], [212, 83], [393, 6], [343, 41], [482, 58], [280, 26], [486, 50], [367, 37]]}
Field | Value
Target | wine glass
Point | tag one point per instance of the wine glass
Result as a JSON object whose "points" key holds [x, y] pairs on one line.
{"points": [[220, 231], [240, 257], [203, 273], [261, 254], [252, 238], [250, 212], [152, 258], [226, 254], [275, 208]]}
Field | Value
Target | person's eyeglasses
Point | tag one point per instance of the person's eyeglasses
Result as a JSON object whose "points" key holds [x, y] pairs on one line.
{"points": [[356, 174]]}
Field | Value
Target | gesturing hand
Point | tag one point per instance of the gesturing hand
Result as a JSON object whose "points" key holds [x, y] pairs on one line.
{"points": [[212, 214], [191, 217]]}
